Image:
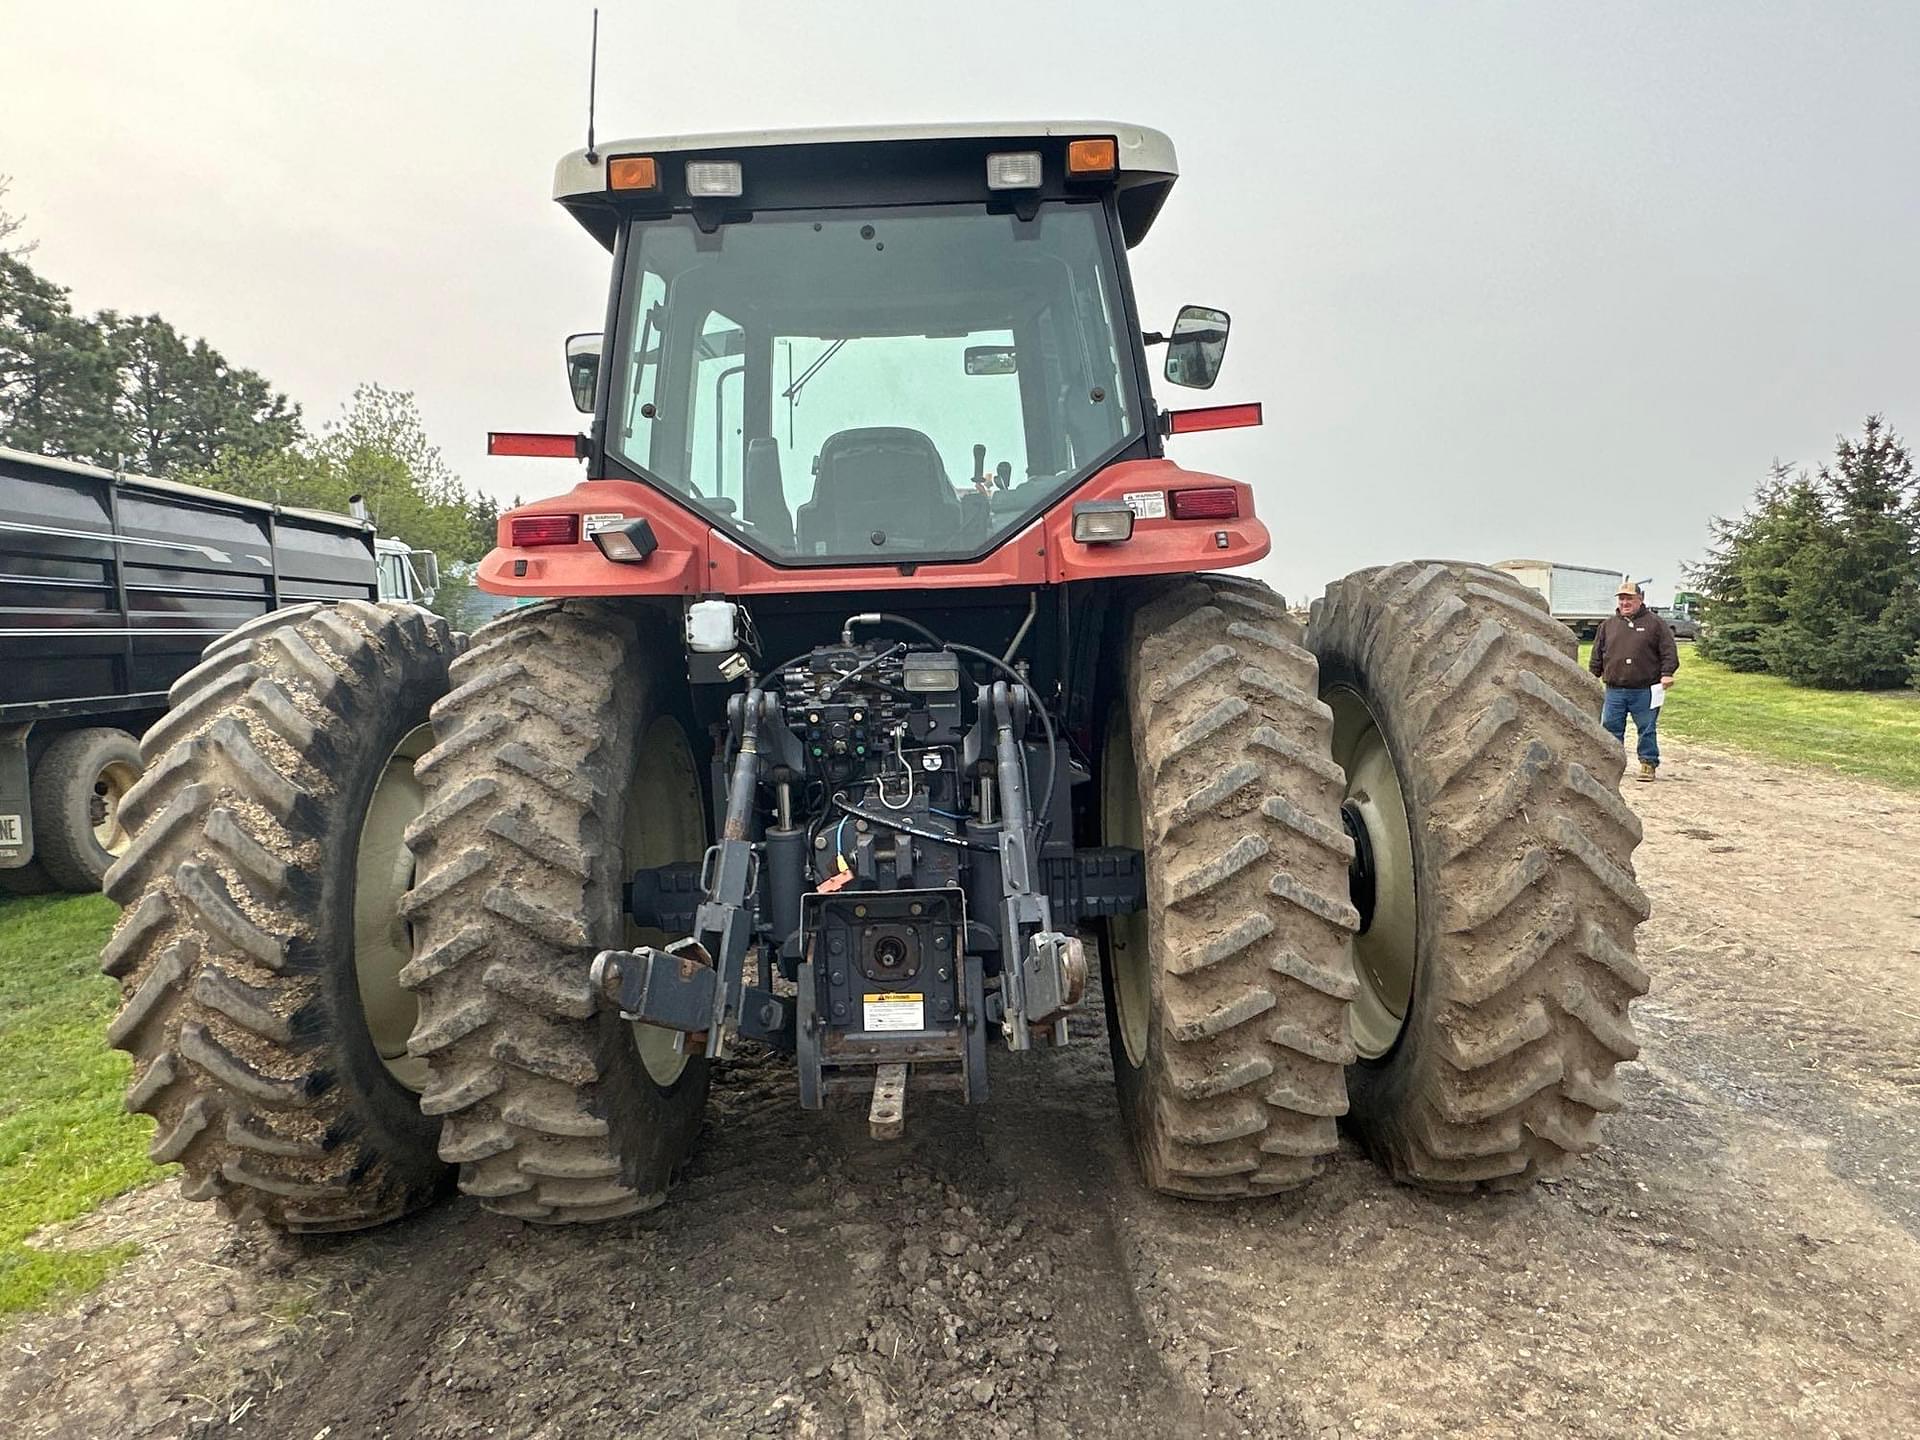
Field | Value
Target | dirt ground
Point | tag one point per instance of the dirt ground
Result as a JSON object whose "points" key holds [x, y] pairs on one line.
{"points": [[1742, 1259]]}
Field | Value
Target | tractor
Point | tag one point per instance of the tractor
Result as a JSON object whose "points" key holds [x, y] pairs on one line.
{"points": [[883, 685]]}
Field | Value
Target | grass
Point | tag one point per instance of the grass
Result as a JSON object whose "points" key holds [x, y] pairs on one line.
{"points": [[1872, 734], [65, 1142]]}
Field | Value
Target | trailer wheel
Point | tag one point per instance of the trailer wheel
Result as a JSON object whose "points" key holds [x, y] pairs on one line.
{"points": [[260, 930], [562, 765], [1493, 875], [78, 787], [1227, 997], [28, 879]]}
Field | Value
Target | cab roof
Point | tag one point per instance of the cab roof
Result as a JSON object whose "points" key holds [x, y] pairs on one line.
{"points": [[870, 164]]}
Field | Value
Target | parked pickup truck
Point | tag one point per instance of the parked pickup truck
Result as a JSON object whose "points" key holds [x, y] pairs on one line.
{"points": [[110, 587]]}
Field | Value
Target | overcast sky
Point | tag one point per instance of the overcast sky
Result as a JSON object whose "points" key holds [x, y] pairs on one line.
{"points": [[1512, 279]]}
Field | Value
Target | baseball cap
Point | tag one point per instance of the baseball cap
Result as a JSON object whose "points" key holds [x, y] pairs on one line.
{"points": [[1627, 587]]}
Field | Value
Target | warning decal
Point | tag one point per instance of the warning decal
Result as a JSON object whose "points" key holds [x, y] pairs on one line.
{"points": [[896, 1012]]}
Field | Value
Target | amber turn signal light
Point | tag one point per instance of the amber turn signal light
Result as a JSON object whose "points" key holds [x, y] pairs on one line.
{"points": [[633, 172], [1092, 157]]}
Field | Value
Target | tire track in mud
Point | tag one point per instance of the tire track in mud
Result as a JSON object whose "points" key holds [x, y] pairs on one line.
{"points": [[802, 1280]]}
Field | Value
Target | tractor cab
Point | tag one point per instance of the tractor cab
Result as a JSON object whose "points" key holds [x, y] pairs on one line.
{"points": [[871, 347]]}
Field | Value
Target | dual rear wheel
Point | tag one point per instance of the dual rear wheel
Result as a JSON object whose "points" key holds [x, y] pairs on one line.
{"points": [[1390, 877]]}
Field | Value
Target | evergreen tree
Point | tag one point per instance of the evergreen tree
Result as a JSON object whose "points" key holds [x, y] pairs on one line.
{"points": [[1817, 581], [128, 392], [57, 373], [180, 404]]}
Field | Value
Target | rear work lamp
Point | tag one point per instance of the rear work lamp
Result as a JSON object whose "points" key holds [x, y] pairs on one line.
{"points": [[1102, 522], [633, 172], [628, 543], [1015, 170], [713, 179]]}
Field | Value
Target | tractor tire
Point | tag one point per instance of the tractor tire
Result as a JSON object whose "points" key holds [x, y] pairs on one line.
{"points": [[260, 941], [1496, 876], [78, 787], [1227, 997], [562, 765]]}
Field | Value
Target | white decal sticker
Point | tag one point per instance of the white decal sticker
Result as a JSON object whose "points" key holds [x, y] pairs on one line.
{"points": [[10, 831], [896, 1012], [591, 525], [1147, 504]]}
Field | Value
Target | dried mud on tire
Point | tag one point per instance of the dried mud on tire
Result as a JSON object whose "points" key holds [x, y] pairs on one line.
{"points": [[1525, 891], [236, 943]]}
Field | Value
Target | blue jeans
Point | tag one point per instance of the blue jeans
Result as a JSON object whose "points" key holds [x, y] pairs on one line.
{"points": [[1622, 702]]}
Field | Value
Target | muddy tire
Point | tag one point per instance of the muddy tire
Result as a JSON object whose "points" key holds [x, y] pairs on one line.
{"points": [[1227, 999], [77, 788], [1496, 970], [246, 914], [562, 764]]}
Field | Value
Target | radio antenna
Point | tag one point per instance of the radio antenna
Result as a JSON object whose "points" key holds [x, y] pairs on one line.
{"points": [[593, 77]]}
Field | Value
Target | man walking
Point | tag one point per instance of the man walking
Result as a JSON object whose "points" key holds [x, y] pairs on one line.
{"points": [[1633, 651]]}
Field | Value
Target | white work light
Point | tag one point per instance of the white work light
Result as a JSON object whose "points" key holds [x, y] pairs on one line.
{"points": [[1019, 170], [713, 178], [1102, 522]]}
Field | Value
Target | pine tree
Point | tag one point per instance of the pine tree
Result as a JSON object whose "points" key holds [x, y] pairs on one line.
{"points": [[1817, 580], [56, 372], [180, 403]]}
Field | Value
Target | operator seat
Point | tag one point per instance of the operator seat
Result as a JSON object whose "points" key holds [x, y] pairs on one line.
{"points": [[878, 478]]}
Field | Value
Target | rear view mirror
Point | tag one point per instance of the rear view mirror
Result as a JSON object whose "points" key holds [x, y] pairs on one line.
{"points": [[431, 563], [583, 369], [1197, 346], [990, 360]]}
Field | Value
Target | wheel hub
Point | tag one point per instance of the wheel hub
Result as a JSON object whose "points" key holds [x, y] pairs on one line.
{"points": [[103, 810], [382, 940], [1128, 945], [1381, 880]]}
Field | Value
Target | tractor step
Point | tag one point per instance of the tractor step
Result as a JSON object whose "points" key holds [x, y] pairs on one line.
{"points": [[887, 1116]]}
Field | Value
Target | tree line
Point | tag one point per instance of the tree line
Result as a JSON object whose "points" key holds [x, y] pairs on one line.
{"points": [[130, 392], [1818, 581]]}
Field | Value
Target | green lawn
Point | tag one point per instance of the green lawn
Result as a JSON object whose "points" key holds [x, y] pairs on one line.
{"points": [[65, 1142], [1873, 734]]}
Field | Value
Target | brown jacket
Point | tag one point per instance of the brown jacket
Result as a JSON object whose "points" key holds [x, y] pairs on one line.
{"points": [[1634, 653]]}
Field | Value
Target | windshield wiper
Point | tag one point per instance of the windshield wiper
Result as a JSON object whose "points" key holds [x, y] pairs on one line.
{"points": [[792, 393]]}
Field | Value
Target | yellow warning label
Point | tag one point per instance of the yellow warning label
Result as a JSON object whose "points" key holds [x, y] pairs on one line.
{"points": [[896, 1012]]}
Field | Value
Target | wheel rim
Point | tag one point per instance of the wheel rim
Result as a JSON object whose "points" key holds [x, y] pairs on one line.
{"points": [[109, 789], [382, 939], [1381, 877], [1129, 952], [664, 823]]}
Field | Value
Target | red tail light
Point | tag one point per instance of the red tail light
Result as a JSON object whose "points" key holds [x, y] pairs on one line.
{"points": [[528, 442], [543, 530], [1212, 417], [1211, 502]]}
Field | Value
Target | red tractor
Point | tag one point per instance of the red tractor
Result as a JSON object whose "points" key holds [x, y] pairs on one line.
{"points": [[881, 690]]}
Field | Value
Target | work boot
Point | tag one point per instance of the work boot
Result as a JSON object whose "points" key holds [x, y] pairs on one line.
{"points": [[1648, 772]]}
